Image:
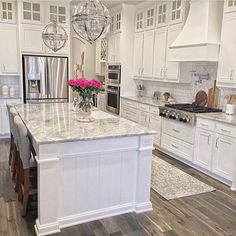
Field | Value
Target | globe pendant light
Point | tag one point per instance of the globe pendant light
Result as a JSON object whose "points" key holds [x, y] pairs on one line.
{"points": [[91, 20], [54, 36]]}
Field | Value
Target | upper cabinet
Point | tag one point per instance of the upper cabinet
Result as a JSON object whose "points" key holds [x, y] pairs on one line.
{"points": [[9, 48], [162, 13], [8, 11], [114, 48], [176, 11], [139, 21], [150, 17], [31, 12], [116, 21], [230, 6], [227, 64]]}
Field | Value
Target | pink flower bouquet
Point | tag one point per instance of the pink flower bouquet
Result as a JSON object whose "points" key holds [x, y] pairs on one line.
{"points": [[86, 88]]}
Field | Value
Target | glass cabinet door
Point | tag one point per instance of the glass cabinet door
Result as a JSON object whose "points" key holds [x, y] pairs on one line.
{"points": [[139, 21], [7, 11], [58, 14], [230, 6], [31, 12], [162, 14], [150, 18], [176, 11], [118, 22]]}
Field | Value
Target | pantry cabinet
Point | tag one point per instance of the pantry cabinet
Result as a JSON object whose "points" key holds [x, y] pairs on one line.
{"points": [[8, 11], [203, 148], [9, 49], [227, 64]]}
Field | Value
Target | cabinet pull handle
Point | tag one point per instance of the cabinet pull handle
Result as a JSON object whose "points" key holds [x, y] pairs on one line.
{"points": [[208, 141], [217, 140], [177, 131], [174, 146], [226, 131], [4, 68]]}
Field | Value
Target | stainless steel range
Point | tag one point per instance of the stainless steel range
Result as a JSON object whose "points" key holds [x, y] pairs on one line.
{"points": [[185, 113]]}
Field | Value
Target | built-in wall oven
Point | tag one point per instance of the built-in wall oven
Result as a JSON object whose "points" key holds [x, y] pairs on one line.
{"points": [[113, 99], [114, 74]]}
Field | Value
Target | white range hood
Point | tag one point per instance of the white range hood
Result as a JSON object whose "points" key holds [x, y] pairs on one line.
{"points": [[200, 38]]}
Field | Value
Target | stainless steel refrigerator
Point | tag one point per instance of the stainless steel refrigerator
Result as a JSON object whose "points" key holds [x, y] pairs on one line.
{"points": [[45, 79]]}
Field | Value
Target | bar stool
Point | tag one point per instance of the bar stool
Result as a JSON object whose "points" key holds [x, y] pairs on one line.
{"points": [[11, 123], [14, 152], [27, 165]]}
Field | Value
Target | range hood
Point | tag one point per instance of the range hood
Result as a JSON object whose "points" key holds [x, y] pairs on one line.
{"points": [[200, 38]]}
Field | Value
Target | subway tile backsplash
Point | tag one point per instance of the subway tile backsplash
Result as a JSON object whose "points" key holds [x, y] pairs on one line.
{"points": [[185, 93], [10, 81]]}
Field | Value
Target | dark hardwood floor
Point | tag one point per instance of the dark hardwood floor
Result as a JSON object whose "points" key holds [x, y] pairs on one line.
{"points": [[206, 214]]}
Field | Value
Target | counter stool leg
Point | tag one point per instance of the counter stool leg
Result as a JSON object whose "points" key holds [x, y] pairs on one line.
{"points": [[18, 173], [11, 149], [25, 191]]}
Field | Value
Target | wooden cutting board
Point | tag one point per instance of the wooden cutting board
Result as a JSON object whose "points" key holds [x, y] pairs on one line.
{"points": [[213, 96], [201, 98]]}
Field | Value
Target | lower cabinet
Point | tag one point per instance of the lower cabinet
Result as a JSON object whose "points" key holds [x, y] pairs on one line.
{"points": [[203, 148], [4, 124], [155, 124], [144, 118], [224, 156]]}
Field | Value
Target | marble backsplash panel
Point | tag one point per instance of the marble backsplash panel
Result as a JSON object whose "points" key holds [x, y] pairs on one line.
{"points": [[185, 93]]}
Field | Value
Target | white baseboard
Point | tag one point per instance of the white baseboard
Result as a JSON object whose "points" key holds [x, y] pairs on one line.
{"points": [[46, 229]]}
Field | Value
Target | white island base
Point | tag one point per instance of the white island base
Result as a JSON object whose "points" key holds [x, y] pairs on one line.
{"points": [[82, 181]]}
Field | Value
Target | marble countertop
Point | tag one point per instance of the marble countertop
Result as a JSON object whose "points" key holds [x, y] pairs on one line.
{"points": [[56, 122], [219, 116], [8, 97], [146, 100]]}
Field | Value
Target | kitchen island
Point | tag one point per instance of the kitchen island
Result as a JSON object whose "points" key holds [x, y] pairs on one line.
{"points": [[87, 171]]}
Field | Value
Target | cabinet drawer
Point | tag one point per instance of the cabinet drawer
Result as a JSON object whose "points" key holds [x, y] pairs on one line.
{"points": [[130, 114], [178, 130], [225, 129], [144, 107], [205, 124], [154, 110], [125, 102], [178, 147]]}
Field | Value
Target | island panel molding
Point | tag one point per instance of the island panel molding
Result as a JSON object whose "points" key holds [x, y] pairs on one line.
{"points": [[87, 177]]}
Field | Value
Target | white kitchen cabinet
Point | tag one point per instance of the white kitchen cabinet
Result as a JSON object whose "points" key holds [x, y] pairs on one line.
{"points": [[230, 6], [138, 54], [143, 118], [58, 12], [4, 127], [155, 124], [159, 59], [101, 56], [114, 48], [172, 68], [116, 20], [227, 64], [224, 156], [139, 21], [203, 148], [162, 13], [9, 49], [31, 39], [32, 12], [176, 11], [150, 17], [8, 11], [148, 47], [118, 16]]}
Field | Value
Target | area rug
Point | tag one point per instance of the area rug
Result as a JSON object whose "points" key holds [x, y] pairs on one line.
{"points": [[171, 182]]}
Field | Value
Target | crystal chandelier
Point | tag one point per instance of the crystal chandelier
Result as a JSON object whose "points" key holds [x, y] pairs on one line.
{"points": [[54, 36], [91, 20]]}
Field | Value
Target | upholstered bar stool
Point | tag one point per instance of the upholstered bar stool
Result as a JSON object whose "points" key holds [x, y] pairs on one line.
{"points": [[11, 133], [27, 166], [14, 153]]}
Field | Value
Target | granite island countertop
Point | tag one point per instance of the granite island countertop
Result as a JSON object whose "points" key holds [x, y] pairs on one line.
{"points": [[146, 100], [219, 116], [56, 122]]}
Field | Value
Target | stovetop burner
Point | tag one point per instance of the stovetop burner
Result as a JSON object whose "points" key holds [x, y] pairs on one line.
{"points": [[192, 108]]}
